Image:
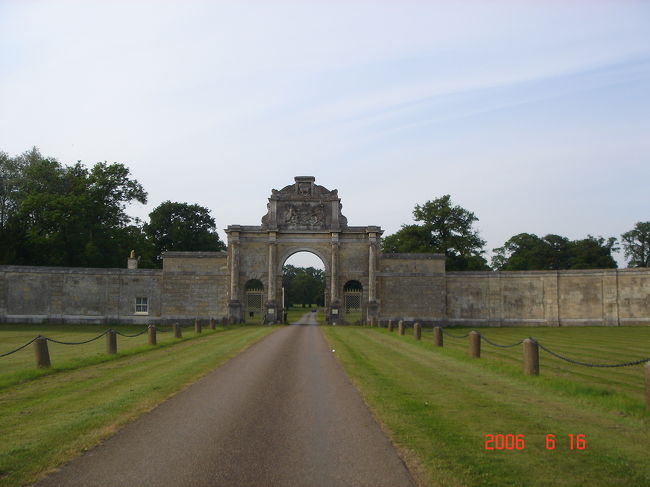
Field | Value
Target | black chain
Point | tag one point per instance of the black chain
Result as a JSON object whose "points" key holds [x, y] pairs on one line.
{"points": [[499, 345], [76, 343], [576, 362], [454, 336], [131, 336], [19, 348]]}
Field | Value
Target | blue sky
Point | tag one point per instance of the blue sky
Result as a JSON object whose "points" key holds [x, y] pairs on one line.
{"points": [[534, 115]]}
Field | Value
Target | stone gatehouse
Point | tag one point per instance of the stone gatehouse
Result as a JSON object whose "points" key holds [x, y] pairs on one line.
{"points": [[361, 282]]}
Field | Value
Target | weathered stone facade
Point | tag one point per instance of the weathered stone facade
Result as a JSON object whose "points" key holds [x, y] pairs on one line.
{"points": [[307, 217]]}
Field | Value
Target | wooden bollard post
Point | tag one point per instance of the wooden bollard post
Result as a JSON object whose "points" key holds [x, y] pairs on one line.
{"points": [[417, 331], [474, 344], [197, 326], [390, 325], [41, 353], [531, 357], [224, 321], [177, 330], [212, 325], [111, 342], [400, 327], [437, 336], [647, 385], [151, 335]]}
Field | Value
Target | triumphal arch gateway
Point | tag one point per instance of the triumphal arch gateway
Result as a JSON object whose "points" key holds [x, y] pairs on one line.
{"points": [[362, 283], [305, 216]]}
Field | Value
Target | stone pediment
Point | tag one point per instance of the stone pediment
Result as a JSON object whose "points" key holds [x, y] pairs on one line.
{"points": [[304, 205]]}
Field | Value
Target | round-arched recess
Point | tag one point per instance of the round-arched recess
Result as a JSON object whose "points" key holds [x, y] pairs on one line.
{"points": [[352, 302], [254, 299], [303, 280], [287, 254]]}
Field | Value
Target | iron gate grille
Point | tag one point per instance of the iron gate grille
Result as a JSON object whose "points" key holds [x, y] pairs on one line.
{"points": [[352, 301], [254, 301]]}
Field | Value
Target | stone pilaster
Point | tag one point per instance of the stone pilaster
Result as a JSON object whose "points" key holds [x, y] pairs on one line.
{"points": [[335, 304], [373, 307], [271, 305], [235, 313]]}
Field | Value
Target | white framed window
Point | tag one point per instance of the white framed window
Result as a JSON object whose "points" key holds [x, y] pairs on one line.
{"points": [[142, 306]]}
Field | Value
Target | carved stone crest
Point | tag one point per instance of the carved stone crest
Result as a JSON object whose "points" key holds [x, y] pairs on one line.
{"points": [[304, 205], [305, 214]]}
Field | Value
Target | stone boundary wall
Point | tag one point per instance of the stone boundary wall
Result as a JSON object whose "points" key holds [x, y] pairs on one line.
{"points": [[411, 286], [610, 297], [78, 295], [195, 285]]}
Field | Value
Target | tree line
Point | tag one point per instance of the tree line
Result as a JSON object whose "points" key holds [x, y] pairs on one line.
{"points": [[57, 215], [448, 229]]}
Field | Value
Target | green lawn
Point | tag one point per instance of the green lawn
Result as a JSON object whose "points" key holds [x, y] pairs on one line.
{"points": [[438, 405], [20, 366], [48, 420]]}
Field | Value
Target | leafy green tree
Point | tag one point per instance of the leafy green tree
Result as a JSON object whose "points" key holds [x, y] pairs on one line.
{"points": [[445, 229], [303, 285], [592, 253], [67, 215], [636, 244], [182, 227], [527, 251]]}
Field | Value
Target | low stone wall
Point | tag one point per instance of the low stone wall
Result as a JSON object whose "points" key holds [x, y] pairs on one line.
{"points": [[78, 295], [411, 286], [610, 297], [195, 285]]}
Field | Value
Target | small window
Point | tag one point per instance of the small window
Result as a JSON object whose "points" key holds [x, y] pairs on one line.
{"points": [[141, 306]]}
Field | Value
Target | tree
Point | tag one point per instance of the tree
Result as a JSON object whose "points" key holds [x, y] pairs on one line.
{"points": [[65, 215], [592, 253], [636, 243], [527, 251], [303, 285], [182, 227], [445, 229]]}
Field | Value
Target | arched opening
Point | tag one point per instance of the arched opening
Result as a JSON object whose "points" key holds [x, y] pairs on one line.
{"points": [[303, 285], [254, 300], [352, 299]]}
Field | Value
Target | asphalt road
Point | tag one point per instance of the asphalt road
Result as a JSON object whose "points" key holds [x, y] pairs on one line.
{"points": [[282, 413]]}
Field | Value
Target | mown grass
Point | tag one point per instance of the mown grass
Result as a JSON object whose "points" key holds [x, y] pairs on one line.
{"points": [[20, 366], [437, 405], [47, 421]]}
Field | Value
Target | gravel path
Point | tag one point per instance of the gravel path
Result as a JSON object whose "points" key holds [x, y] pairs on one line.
{"points": [[282, 413]]}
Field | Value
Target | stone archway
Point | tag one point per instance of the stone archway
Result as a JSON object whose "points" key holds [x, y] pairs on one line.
{"points": [[303, 217]]}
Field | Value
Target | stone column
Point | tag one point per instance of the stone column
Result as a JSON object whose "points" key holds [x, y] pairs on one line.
{"points": [[373, 307], [335, 304], [234, 306], [371, 272], [271, 305]]}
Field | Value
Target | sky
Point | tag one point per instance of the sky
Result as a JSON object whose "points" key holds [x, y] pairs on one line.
{"points": [[534, 115]]}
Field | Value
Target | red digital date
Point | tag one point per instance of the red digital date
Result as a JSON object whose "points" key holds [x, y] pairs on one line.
{"points": [[517, 442], [504, 442]]}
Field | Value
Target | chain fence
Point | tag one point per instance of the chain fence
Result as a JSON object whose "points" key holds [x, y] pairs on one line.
{"points": [[549, 351], [83, 342]]}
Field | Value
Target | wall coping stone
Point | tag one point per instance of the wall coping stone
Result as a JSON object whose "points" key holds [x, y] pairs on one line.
{"points": [[563, 272], [413, 256], [80, 270], [195, 255]]}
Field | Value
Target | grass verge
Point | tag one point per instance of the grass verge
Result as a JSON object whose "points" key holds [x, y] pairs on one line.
{"points": [[20, 367], [48, 421], [438, 406]]}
